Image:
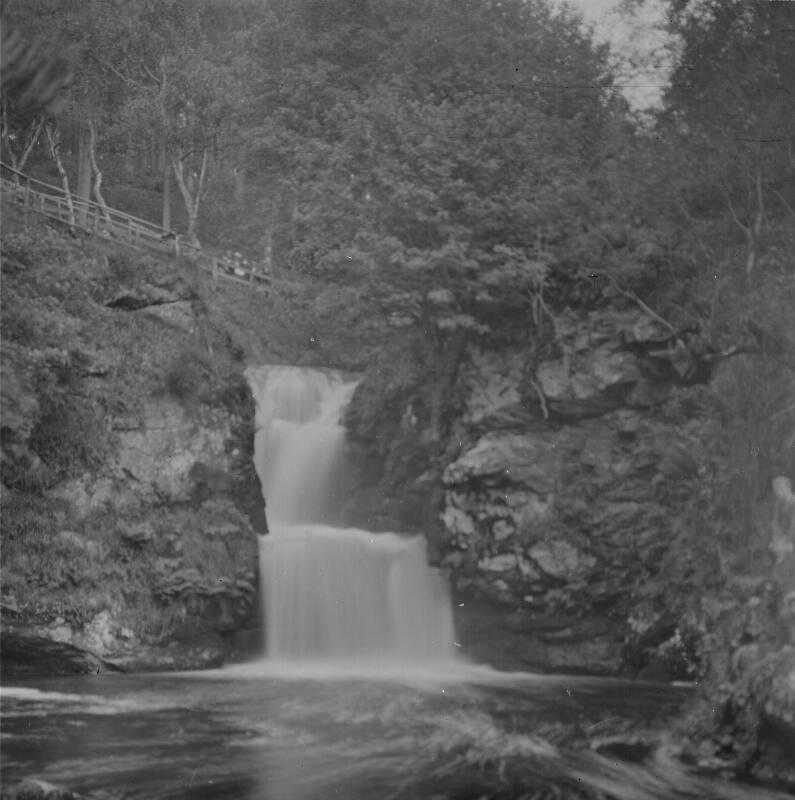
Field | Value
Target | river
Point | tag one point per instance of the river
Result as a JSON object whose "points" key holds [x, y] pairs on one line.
{"points": [[269, 732]]}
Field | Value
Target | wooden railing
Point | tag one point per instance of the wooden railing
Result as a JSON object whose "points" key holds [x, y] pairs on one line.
{"points": [[50, 201]]}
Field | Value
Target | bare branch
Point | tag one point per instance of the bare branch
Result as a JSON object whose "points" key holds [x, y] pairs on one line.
{"points": [[31, 143], [541, 399], [54, 141], [783, 201], [743, 227], [121, 75], [160, 81], [632, 296]]}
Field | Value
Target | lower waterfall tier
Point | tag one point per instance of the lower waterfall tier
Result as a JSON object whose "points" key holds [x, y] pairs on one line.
{"points": [[343, 594]]}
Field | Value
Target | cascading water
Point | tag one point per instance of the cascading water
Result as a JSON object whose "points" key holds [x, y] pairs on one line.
{"points": [[333, 593]]}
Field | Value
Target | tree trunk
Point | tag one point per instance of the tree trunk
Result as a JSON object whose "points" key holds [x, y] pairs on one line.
{"points": [[449, 354], [752, 229], [267, 260], [29, 138], [166, 224], [129, 157], [54, 142], [83, 172], [92, 151], [191, 194], [239, 194]]}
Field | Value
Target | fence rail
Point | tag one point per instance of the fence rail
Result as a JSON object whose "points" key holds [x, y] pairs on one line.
{"points": [[51, 201]]}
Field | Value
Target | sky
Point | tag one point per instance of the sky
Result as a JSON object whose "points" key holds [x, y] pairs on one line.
{"points": [[593, 9], [630, 39]]}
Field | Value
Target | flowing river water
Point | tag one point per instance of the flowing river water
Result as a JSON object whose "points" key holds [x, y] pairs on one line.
{"points": [[360, 695]]}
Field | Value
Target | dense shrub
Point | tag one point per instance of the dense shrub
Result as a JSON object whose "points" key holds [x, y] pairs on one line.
{"points": [[187, 375]]}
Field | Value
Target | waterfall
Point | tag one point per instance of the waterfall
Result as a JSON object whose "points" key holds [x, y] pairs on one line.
{"points": [[333, 593]]}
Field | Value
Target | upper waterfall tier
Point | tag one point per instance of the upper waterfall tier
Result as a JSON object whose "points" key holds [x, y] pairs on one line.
{"points": [[299, 449]]}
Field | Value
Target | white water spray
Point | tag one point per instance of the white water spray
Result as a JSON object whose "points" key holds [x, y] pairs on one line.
{"points": [[334, 593]]}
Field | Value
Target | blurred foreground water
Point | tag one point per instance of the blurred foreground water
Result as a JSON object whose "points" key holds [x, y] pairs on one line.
{"points": [[279, 732]]}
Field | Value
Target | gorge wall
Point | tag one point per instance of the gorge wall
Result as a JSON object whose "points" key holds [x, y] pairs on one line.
{"points": [[130, 502], [563, 490]]}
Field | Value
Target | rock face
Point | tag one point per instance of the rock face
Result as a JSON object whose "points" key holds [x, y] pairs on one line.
{"points": [[130, 501], [555, 477], [26, 653], [153, 456], [178, 546]]}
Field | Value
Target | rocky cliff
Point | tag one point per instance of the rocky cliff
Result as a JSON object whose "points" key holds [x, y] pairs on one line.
{"points": [[130, 504], [569, 472]]}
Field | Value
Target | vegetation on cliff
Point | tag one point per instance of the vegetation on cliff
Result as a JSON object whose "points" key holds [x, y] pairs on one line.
{"points": [[98, 343]]}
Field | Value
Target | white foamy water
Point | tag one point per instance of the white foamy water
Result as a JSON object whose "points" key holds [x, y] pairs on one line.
{"points": [[334, 594], [31, 701], [299, 448]]}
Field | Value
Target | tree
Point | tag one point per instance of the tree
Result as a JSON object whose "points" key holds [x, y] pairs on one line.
{"points": [[731, 90], [412, 131]]}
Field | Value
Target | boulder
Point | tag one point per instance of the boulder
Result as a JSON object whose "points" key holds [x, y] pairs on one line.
{"points": [[562, 560], [529, 460], [28, 654]]}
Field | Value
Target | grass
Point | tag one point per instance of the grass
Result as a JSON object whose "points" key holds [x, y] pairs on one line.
{"points": [[57, 565]]}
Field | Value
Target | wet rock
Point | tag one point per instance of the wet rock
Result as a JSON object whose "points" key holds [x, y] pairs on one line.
{"points": [[519, 639], [26, 654], [206, 652], [587, 657]]}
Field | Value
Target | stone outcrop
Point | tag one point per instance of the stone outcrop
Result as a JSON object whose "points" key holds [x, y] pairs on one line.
{"points": [[555, 479], [28, 653], [153, 455]]}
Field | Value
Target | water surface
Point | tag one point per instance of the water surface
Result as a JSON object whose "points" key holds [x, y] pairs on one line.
{"points": [[271, 732]]}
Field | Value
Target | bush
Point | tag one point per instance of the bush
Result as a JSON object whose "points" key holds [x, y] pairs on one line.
{"points": [[186, 376], [70, 437]]}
